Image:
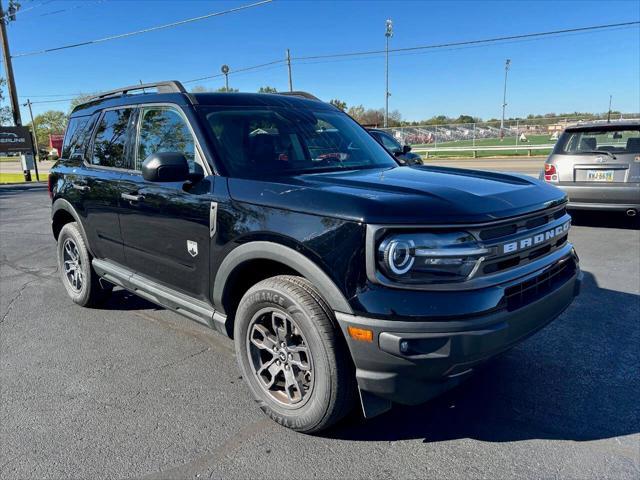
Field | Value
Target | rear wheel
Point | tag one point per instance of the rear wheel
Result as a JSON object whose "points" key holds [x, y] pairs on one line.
{"points": [[292, 356], [74, 264]]}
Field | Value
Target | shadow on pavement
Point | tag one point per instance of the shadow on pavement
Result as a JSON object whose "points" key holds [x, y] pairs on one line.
{"points": [[577, 380], [125, 301], [585, 218]]}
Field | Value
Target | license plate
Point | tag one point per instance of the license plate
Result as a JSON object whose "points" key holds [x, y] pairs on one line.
{"points": [[600, 175]]}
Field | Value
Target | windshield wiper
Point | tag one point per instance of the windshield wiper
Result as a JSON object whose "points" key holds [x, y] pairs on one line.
{"points": [[599, 151]]}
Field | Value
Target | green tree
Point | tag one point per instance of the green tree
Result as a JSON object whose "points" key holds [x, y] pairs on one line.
{"points": [[267, 89], [200, 89], [225, 89], [6, 118], [51, 122], [79, 100], [338, 104]]}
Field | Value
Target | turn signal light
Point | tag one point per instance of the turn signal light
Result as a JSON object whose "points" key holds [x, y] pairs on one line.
{"points": [[550, 173], [360, 334]]}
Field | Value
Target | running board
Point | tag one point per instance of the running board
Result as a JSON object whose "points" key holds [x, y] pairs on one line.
{"points": [[188, 306]]}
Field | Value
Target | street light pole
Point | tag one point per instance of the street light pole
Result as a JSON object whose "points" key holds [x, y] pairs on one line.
{"points": [[289, 66], [507, 64], [8, 68], [609, 114], [225, 70], [388, 34]]}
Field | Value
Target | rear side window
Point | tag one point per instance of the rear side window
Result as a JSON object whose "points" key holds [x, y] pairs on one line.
{"points": [[77, 136], [109, 145]]}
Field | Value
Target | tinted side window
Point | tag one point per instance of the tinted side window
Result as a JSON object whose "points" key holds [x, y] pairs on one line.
{"points": [[77, 136], [388, 142], [164, 130], [109, 146]]}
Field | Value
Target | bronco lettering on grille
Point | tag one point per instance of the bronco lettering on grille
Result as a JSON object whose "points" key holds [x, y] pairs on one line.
{"points": [[537, 239]]}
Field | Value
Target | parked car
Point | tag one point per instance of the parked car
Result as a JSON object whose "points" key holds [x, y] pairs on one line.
{"points": [[598, 166], [401, 152], [278, 221]]}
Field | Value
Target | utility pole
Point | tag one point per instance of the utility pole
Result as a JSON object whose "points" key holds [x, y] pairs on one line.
{"points": [[388, 34], [507, 64], [8, 68], [289, 66], [609, 114], [225, 70], [35, 139]]}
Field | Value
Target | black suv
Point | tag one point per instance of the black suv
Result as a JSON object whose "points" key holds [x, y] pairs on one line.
{"points": [[280, 222]]}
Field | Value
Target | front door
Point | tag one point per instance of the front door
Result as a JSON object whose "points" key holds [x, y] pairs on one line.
{"points": [[166, 226]]}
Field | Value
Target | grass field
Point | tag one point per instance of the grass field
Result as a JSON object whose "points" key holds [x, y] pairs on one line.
{"points": [[12, 177], [489, 142]]}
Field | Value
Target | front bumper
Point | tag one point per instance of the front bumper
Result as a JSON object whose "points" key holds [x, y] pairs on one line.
{"points": [[410, 362]]}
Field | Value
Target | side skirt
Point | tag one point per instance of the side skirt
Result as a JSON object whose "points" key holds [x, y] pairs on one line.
{"points": [[188, 306]]}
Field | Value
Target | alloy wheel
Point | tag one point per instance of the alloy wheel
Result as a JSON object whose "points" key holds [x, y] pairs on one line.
{"points": [[72, 264], [280, 357]]}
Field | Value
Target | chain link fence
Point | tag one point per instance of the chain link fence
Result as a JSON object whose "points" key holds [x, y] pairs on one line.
{"points": [[534, 132]]}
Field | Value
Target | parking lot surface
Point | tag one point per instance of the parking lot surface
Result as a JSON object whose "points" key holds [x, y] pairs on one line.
{"points": [[132, 390]]}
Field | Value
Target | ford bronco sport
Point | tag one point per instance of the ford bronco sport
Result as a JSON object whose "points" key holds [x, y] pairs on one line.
{"points": [[280, 222]]}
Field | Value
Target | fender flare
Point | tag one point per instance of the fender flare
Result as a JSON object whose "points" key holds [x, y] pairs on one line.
{"points": [[62, 204], [260, 250]]}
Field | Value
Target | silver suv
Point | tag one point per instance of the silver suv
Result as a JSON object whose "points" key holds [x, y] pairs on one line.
{"points": [[598, 166]]}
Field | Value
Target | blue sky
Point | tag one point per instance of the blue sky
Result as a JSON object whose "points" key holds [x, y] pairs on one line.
{"points": [[566, 73]]}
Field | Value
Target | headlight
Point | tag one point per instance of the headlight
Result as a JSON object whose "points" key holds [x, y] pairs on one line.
{"points": [[425, 258]]}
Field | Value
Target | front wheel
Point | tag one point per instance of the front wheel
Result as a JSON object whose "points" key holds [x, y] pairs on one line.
{"points": [[292, 357]]}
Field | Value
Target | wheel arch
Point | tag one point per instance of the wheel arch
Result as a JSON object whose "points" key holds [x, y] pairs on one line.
{"points": [[62, 212], [270, 254]]}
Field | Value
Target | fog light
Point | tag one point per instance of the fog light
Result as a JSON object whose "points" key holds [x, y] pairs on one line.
{"points": [[404, 346]]}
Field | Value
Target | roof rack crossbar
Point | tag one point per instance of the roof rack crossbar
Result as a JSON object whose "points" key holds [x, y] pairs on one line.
{"points": [[171, 86]]}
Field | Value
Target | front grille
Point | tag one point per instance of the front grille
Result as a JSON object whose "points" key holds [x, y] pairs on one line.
{"points": [[522, 294], [514, 230]]}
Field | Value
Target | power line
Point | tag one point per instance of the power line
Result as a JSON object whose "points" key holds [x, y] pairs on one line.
{"points": [[138, 32], [24, 10], [471, 42], [237, 70], [68, 9], [407, 51]]}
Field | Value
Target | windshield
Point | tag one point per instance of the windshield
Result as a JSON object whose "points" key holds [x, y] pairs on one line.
{"points": [[610, 141], [257, 141]]}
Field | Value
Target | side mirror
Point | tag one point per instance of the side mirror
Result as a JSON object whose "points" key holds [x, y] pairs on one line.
{"points": [[406, 148], [165, 167]]}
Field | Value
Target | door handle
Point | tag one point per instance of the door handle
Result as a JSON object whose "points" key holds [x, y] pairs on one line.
{"points": [[132, 198], [81, 186]]}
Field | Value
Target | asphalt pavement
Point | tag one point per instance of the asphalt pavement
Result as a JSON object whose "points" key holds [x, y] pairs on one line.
{"points": [[132, 390]]}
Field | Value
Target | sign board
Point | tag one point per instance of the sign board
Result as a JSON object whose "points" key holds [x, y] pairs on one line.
{"points": [[15, 139]]}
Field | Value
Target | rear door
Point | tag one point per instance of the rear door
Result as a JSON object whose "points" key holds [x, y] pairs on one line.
{"points": [[97, 183], [166, 226]]}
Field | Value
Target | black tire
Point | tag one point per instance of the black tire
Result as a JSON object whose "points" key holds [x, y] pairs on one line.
{"points": [[83, 288], [327, 390]]}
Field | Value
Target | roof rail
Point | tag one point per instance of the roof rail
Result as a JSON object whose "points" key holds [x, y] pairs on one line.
{"points": [[170, 86], [300, 94]]}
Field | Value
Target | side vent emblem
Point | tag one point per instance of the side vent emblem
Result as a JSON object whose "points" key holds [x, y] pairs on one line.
{"points": [[192, 248]]}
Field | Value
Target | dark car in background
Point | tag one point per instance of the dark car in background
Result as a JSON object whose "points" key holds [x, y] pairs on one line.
{"points": [[402, 153], [598, 166]]}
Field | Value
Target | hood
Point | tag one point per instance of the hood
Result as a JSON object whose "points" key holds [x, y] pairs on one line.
{"points": [[402, 195]]}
